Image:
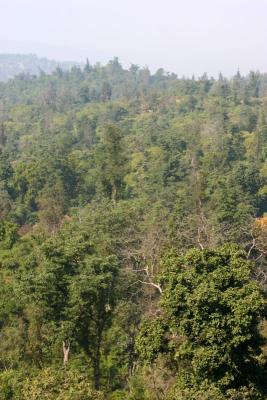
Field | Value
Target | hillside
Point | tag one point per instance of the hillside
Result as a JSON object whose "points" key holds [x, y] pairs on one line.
{"points": [[15, 64], [132, 234]]}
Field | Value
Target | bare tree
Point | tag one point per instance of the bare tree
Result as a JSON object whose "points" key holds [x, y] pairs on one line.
{"points": [[66, 351]]}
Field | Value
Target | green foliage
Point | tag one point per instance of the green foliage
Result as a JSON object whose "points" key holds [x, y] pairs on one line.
{"points": [[11, 382], [8, 234], [59, 384], [102, 170], [213, 309], [151, 341], [187, 388], [112, 162]]}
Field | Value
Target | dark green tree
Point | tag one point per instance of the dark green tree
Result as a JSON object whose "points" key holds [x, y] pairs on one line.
{"points": [[211, 311], [112, 161]]}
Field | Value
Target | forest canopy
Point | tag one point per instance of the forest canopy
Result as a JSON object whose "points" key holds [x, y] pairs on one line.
{"points": [[133, 235]]}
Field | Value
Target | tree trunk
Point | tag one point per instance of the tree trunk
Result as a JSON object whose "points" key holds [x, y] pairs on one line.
{"points": [[66, 351]]}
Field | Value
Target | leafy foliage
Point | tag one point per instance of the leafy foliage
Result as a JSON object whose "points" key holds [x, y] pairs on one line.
{"points": [[213, 309], [103, 170]]}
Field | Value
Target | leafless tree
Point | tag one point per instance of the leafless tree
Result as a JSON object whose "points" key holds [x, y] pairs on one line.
{"points": [[66, 351]]}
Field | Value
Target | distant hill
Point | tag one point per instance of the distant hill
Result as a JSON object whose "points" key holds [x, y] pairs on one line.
{"points": [[14, 64]]}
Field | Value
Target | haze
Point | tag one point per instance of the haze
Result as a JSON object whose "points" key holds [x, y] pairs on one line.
{"points": [[185, 37]]}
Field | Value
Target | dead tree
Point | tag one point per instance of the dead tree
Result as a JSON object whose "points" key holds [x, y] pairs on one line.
{"points": [[66, 351]]}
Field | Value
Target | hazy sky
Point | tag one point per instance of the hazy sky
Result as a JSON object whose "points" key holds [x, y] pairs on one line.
{"points": [[184, 36]]}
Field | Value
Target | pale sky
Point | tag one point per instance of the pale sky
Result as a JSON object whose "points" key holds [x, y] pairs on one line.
{"points": [[182, 36]]}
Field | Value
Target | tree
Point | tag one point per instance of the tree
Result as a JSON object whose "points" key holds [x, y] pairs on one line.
{"points": [[88, 313], [106, 92], [52, 203], [211, 310], [59, 384], [112, 160]]}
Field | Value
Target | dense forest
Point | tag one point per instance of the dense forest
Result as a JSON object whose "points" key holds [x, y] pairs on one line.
{"points": [[133, 235]]}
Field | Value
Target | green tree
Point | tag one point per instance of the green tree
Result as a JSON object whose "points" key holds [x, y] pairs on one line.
{"points": [[59, 384], [89, 311], [211, 313], [111, 159]]}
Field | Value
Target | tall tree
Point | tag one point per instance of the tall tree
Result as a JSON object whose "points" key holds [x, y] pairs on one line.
{"points": [[112, 161], [211, 310]]}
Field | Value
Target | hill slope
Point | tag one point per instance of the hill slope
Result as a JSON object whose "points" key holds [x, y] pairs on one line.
{"points": [[14, 64], [132, 235]]}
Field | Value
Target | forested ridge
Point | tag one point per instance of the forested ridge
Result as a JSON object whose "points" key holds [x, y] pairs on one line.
{"points": [[14, 64], [133, 233]]}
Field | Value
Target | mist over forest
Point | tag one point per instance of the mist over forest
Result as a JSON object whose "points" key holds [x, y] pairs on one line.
{"points": [[12, 65]]}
